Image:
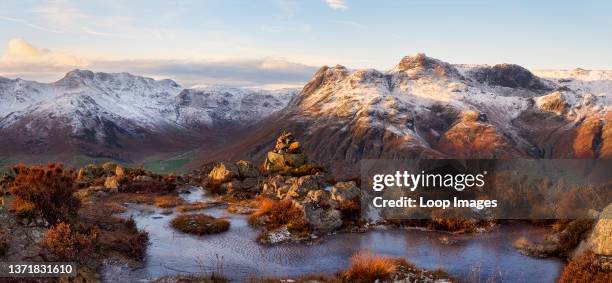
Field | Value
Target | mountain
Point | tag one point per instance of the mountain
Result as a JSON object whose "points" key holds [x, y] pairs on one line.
{"points": [[123, 116], [424, 107]]}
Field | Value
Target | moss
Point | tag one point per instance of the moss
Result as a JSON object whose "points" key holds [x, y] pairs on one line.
{"points": [[199, 224]]}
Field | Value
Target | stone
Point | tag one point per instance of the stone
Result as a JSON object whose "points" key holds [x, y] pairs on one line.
{"points": [[318, 196], [303, 185], [109, 166], [321, 219], [119, 171], [278, 186], [223, 172], [600, 241], [247, 169], [112, 183], [345, 191]]}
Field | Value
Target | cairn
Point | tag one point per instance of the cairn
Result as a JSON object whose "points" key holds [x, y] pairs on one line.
{"points": [[286, 155]]}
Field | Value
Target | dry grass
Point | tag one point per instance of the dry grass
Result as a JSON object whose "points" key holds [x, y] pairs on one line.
{"points": [[585, 269], [213, 278], [168, 201], [199, 224], [367, 267], [273, 214]]}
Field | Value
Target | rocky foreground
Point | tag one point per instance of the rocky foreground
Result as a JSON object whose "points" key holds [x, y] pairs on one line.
{"points": [[289, 198]]}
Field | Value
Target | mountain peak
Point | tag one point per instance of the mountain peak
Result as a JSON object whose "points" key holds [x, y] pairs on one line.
{"points": [[420, 65], [78, 73]]}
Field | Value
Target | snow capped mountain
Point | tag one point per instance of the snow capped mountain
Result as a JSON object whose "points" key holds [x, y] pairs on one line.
{"points": [[216, 104], [107, 113], [424, 107]]}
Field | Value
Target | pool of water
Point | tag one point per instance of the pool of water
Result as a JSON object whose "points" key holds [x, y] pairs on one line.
{"points": [[235, 253]]}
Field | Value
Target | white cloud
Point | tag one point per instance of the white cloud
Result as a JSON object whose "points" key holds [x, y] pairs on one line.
{"points": [[20, 53], [337, 4], [27, 61]]}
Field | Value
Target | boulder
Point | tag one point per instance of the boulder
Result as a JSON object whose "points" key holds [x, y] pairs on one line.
{"points": [[318, 196], [109, 167], [247, 169], [344, 191], [303, 185], [119, 171], [600, 240], [321, 219], [112, 183], [278, 186], [223, 172]]}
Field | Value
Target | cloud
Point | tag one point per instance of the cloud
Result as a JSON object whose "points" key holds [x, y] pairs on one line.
{"points": [[22, 54], [337, 4], [27, 61]]}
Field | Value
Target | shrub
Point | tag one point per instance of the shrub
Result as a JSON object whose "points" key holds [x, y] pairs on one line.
{"points": [[366, 267], [4, 242], [585, 269], [46, 192], [199, 224], [64, 242], [273, 214]]}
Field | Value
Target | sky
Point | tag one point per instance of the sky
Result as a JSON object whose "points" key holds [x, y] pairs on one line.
{"points": [[278, 43]]}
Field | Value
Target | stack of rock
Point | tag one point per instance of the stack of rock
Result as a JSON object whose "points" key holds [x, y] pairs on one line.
{"points": [[237, 179], [286, 155]]}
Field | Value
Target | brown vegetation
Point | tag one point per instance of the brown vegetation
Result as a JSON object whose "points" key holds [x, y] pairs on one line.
{"points": [[199, 224], [46, 192], [273, 214], [65, 242], [4, 241], [367, 267], [586, 268]]}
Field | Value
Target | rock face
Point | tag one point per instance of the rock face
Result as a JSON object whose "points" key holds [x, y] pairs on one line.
{"points": [[600, 240]]}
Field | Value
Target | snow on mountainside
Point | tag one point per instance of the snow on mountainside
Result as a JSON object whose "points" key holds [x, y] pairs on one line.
{"points": [[424, 107], [108, 113], [211, 104]]}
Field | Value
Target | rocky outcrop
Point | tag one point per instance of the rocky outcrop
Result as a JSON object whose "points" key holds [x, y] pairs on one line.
{"points": [[508, 75], [600, 240]]}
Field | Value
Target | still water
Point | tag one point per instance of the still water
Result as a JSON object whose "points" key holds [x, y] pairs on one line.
{"points": [[472, 258]]}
